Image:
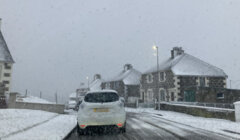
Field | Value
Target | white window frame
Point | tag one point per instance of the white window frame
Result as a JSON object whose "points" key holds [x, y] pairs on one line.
{"points": [[149, 78], [142, 92], [162, 89], [108, 85], [220, 97], [159, 76], [149, 95], [202, 78]]}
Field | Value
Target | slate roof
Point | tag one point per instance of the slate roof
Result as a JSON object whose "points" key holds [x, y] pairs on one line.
{"points": [[188, 65], [129, 77], [5, 55]]}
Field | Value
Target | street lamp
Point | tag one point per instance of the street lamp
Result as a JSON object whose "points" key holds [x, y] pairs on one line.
{"points": [[156, 49], [88, 81]]}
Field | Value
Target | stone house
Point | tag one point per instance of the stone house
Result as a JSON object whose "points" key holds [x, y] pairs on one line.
{"points": [[126, 83], [6, 63], [179, 78]]}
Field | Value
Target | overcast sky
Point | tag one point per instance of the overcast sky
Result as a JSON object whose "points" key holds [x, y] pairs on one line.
{"points": [[57, 43]]}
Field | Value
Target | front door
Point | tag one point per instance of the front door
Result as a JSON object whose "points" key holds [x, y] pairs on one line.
{"points": [[189, 96]]}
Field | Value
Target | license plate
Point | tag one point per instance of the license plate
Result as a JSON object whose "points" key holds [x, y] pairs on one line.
{"points": [[100, 110]]}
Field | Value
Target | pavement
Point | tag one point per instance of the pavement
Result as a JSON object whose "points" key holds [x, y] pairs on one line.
{"points": [[144, 126]]}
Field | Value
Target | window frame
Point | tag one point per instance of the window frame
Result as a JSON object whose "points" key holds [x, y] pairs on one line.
{"points": [[149, 78], [159, 76]]}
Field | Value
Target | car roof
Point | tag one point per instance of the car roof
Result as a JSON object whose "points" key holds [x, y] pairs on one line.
{"points": [[101, 91]]}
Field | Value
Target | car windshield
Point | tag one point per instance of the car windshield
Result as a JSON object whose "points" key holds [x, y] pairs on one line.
{"points": [[101, 97]]}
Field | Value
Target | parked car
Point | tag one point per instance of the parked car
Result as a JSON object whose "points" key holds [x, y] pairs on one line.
{"points": [[101, 108], [71, 104], [76, 108]]}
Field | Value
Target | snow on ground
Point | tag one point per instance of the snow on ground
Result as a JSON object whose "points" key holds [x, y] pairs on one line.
{"points": [[14, 120], [33, 99], [209, 124], [55, 129], [34, 124]]}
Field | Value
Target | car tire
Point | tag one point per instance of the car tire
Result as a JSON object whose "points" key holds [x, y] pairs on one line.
{"points": [[123, 129], [80, 131]]}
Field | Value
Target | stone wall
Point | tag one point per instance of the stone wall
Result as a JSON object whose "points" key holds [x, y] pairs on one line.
{"points": [[228, 114], [210, 95], [217, 82], [56, 108]]}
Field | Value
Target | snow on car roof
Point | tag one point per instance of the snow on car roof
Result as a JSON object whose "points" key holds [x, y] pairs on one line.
{"points": [[101, 91], [188, 65]]}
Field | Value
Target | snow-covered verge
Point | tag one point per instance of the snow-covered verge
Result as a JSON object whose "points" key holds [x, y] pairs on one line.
{"points": [[209, 124], [55, 129], [15, 120], [33, 124], [33, 99]]}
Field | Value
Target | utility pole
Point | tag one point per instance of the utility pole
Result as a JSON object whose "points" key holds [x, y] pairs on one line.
{"points": [[88, 82], [40, 94], [156, 48], [230, 84]]}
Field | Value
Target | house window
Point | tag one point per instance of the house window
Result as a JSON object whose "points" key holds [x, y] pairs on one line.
{"points": [[7, 66], [5, 82], [162, 95], [202, 81], [172, 96], [7, 89], [107, 85], [220, 96], [150, 95], [162, 76], [7, 74], [117, 84], [149, 78], [141, 94]]}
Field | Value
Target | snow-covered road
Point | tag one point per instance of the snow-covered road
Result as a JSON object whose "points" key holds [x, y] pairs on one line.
{"points": [[149, 125]]}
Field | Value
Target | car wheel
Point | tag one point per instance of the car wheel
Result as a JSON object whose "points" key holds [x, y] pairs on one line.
{"points": [[80, 131], [123, 129]]}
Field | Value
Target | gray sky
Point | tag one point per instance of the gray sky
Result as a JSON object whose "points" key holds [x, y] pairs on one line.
{"points": [[57, 43]]}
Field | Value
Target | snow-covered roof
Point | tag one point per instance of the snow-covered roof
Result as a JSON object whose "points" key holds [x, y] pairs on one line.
{"points": [[188, 65], [95, 85], [72, 102], [73, 95], [5, 55], [129, 77]]}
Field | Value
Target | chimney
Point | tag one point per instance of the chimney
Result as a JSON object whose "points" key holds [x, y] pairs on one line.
{"points": [[97, 76], [176, 51], [127, 67]]}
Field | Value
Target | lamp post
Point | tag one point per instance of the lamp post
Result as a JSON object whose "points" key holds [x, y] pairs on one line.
{"points": [[88, 81], [156, 49]]}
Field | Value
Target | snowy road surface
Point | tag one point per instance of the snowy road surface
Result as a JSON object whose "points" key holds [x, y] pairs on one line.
{"points": [[145, 126]]}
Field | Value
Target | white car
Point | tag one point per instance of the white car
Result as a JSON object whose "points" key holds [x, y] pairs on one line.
{"points": [[101, 108]]}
